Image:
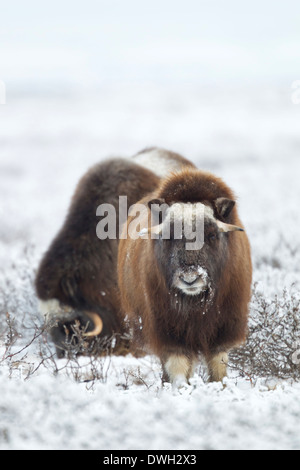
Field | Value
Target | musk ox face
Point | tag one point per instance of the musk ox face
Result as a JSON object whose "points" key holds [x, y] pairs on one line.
{"points": [[191, 248]]}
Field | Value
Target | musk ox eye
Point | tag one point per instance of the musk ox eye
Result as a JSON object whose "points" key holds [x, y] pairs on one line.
{"points": [[212, 237]]}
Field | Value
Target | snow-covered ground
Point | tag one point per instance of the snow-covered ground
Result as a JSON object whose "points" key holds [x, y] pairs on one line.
{"points": [[251, 138]]}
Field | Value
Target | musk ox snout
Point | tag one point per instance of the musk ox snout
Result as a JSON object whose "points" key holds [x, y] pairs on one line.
{"points": [[191, 281]]}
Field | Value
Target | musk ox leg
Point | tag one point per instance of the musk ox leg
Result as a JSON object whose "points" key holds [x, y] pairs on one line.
{"points": [[177, 369], [217, 366]]}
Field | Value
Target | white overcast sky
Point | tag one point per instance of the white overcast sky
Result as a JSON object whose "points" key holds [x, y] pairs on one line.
{"points": [[88, 42]]}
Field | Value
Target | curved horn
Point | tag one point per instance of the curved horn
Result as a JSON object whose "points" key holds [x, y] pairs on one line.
{"points": [[98, 323], [228, 228]]}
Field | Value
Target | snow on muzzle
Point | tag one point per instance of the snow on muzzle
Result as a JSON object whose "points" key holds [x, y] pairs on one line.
{"points": [[191, 281]]}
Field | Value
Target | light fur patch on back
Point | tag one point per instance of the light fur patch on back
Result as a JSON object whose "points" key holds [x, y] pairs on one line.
{"points": [[158, 161]]}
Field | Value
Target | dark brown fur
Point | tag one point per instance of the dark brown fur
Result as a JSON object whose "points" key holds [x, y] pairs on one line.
{"points": [[78, 266], [183, 326]]}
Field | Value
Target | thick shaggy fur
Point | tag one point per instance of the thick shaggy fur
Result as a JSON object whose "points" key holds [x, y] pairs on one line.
{"points": [[178, 327], [79, 270], [80, 273]]}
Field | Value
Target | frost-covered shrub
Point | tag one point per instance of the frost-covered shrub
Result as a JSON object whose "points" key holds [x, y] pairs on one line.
{"points": [[17, 292], [272, 348]]}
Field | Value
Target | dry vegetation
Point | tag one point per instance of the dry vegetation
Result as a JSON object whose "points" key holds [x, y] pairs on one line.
{"points": [[272, 349]]}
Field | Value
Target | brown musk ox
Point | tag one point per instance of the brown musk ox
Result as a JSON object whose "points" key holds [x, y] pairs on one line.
{"points": [[77, 277], [76, 281], [186, 302]]}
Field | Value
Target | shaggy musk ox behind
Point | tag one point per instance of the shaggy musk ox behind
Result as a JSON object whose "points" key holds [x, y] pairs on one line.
{"points": [[76, 281], [185, 302]]}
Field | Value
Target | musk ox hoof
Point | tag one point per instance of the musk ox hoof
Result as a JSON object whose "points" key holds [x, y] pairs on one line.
{"points": [[181, 385], [186, 389], [179, 381], [177, 369]]}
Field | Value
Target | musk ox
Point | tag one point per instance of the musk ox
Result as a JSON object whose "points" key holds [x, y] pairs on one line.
{"points": [[77, 282], [77, 277], [186, 302], [179, 302]]}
